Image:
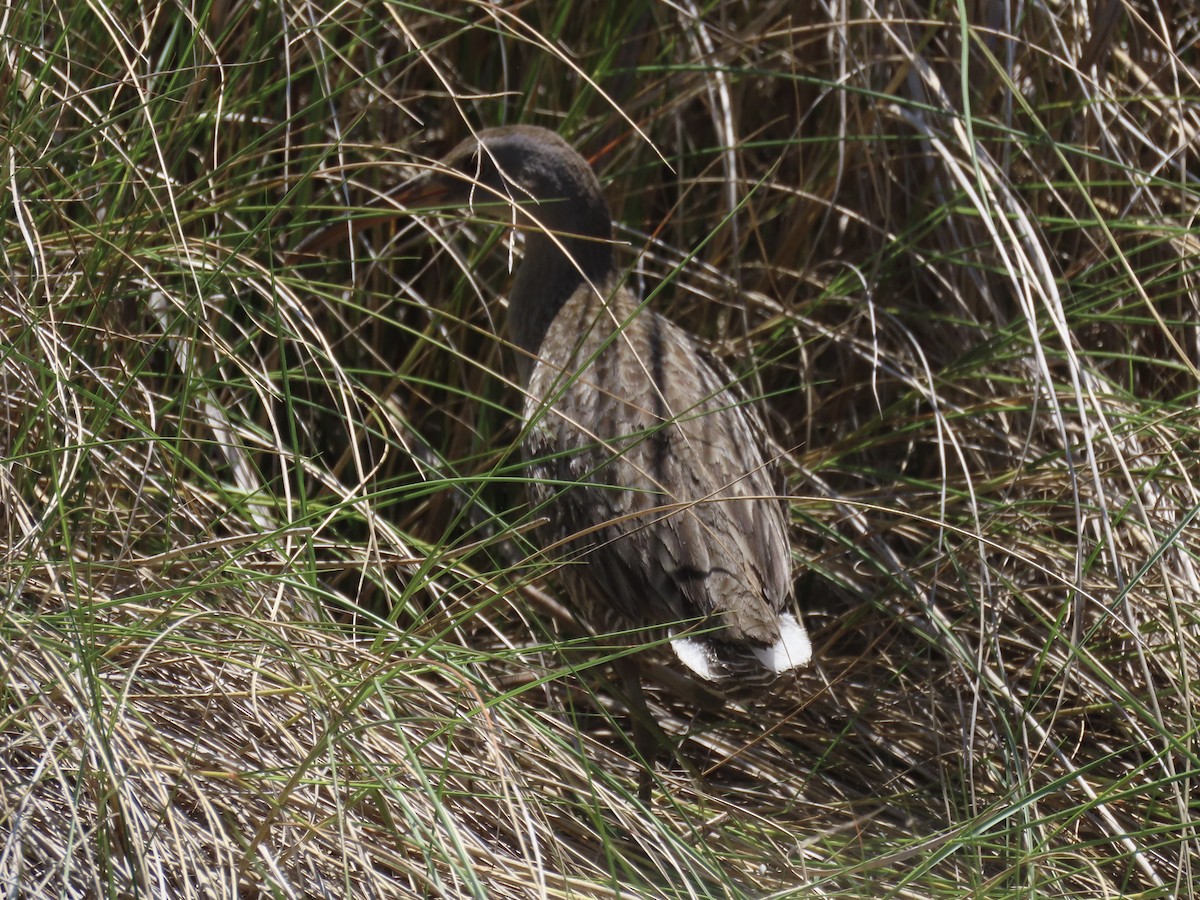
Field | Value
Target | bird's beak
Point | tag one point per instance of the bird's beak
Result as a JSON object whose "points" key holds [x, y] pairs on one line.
{"points": [[422, 191], [396, 203]]}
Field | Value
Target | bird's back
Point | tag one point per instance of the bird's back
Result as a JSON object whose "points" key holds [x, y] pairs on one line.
{"points": [[650, 472]]}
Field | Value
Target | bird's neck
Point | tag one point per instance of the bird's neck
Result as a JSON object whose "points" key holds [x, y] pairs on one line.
{"points": [[552, 270]]}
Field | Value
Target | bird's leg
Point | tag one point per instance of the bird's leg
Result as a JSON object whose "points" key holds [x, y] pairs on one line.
{"points": [[648, 736], [649, 739]]}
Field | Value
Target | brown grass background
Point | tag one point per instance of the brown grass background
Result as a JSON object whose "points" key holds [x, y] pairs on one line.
{"points": [[271, 625]]}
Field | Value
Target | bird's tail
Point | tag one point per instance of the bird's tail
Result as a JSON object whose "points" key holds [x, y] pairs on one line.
{"points": [[712, 659]]}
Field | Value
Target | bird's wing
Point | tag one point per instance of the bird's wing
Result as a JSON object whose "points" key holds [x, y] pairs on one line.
{"points": [[679, 513], [723, 486]]}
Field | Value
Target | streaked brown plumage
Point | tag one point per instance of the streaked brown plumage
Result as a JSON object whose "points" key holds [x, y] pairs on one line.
{"points": [[652, 474]]}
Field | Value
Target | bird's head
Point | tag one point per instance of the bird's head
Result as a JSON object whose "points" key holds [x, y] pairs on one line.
{"points": [[523, 167]]}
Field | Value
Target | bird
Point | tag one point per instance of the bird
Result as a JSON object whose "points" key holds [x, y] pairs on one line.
{"points": [[645, 463]]}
